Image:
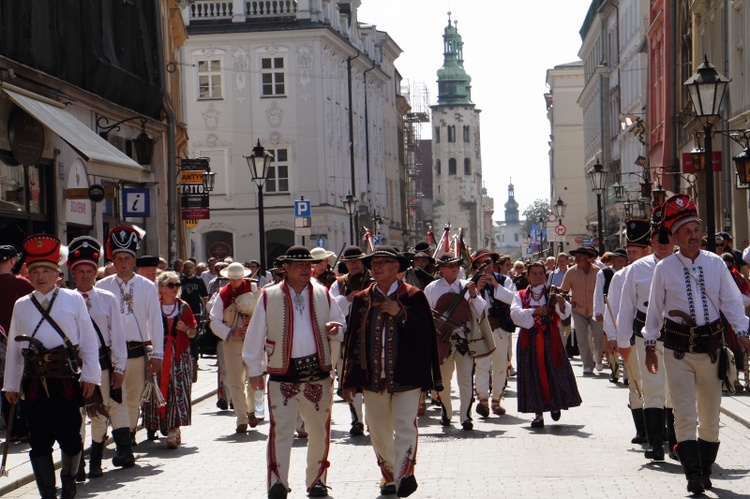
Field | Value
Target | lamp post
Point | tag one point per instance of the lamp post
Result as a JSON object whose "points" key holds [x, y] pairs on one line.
{"points": [[706, 88], [598, 177], [539, 223], [350, 205], [559, 208], [258, 163]]}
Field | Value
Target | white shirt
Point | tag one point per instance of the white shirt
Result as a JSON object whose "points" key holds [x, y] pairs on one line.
{"points": [[613, 297], [503, 292], [303, 339], [105, 312], [676, 277], [70, 313], [524, 317], [634, 297], [218, 327], [438, 288], [141, 318]]}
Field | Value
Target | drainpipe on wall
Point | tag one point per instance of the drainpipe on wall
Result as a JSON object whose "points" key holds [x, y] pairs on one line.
{"points": [[173, 233]]}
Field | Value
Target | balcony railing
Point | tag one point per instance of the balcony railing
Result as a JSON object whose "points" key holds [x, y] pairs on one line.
{"points": [[210, 10], [207, 10]]}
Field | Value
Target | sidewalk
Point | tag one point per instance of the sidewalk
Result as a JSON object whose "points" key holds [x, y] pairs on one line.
{"points": [[19, 466]]}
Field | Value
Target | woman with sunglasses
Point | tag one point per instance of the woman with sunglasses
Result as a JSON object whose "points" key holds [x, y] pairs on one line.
{"points": [[175, 379]]}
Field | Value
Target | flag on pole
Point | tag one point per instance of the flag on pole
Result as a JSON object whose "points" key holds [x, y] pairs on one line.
{"points": [[370, 238], [463, 249], [444, 245], [430, 236]]}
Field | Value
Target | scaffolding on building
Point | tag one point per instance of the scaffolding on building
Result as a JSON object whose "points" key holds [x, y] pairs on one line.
{"points": [[417, 96]]}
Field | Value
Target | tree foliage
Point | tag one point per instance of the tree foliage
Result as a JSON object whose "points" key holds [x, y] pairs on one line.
{"points": [[538, 209]]}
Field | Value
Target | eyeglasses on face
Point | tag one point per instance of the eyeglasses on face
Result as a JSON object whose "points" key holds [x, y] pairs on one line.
{"points": [[173, 285]]}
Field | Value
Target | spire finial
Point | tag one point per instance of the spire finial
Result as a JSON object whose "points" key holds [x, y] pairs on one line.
{"points": [[449, 18]]}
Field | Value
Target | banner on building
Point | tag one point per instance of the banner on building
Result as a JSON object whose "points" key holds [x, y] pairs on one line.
{"points": [[193, 195]]}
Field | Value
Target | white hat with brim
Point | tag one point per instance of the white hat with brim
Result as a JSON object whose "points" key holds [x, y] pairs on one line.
{"points": [[235, 270], [323, 254]]}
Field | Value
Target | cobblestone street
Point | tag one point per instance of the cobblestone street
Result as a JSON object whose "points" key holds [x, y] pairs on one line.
{"points": [[586, 454]]}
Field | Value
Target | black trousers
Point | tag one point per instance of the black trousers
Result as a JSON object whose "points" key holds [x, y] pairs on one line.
{"points": [[56, 417]]}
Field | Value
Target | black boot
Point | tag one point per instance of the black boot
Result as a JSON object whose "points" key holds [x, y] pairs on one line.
{"points": [[95, 459], [671, 437], [124, 457], [44, 473], [691, 465], [654, 430], [707, 452], [68, 475], [640, 427]]}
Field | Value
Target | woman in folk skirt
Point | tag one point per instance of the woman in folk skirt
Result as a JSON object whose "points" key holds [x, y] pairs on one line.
{"points": [[545, 378], [175, 380]]}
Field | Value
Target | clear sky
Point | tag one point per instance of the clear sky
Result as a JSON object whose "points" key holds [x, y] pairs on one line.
{"points": [[508, 47]]}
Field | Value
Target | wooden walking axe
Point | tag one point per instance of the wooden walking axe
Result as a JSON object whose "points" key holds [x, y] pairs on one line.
{"points": [[3, 470]]}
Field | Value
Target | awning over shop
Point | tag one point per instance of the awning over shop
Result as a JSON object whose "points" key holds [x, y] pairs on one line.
{"points": [[104, 159]]}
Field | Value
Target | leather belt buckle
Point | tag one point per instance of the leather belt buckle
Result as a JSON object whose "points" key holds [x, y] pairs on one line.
{"points": [[692, 340]]}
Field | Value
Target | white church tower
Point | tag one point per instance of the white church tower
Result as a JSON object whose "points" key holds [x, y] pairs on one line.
{"points": [[457, 171]]}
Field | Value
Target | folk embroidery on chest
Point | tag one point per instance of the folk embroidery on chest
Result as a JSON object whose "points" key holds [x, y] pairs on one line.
{"points": [[126, 298]]}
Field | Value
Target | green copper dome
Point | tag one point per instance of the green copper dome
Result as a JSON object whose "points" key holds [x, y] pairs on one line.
{"points": [[454, 85]]}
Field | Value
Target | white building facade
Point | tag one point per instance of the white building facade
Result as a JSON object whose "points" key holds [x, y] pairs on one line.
{"points": [[316, 89]]}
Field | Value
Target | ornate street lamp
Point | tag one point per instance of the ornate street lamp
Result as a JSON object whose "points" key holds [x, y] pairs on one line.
{"points": [[559, 208], [350, 205], [659, 195], [707, 88], [209, 180], [619, 190], [258, 163], [598, 177]]}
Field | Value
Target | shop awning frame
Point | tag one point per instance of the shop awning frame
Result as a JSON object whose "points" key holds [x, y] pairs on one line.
{"points": [[103, 159]]}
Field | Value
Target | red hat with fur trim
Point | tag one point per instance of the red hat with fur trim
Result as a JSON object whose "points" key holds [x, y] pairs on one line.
{"points": [[42, 250], [678, 210]]}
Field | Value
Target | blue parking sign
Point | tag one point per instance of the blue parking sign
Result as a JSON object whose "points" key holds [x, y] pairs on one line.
{"points": [[302, 208]]}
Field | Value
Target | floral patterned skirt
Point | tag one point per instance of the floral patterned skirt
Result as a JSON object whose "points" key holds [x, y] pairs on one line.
{"points": [[178, 409]]}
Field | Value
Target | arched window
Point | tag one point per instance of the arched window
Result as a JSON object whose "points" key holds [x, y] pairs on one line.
{"points": [[466, 133], [451, 133], [437, 134], [515, 237], [452, 166], [467, 166], [437, 167]]}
